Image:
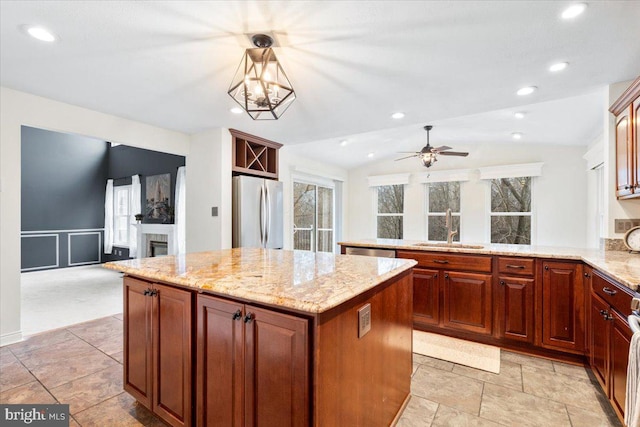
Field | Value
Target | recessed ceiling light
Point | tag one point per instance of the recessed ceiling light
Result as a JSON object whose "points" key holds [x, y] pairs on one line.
{"points": [[574, 10], [519, 115], [40, 33], [344, 142], [236, 110], [526, 90], [558, 67], [397, 115], [517, 135], [370, 155]]}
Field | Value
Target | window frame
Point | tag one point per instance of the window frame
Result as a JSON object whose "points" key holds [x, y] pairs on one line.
{"points": [[116, 216], [531, 213], [394, 214], [316, 182], [428, 213]]}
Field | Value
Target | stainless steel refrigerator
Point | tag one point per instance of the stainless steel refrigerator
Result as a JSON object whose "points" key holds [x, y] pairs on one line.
{"points": [[257, 213]]}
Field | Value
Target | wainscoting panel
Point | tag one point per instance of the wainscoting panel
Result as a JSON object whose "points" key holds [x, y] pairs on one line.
{"points": [[84, 248], [42, 249]]}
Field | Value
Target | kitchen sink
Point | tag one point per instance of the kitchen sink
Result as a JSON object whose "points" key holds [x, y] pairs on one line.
{"points": [[448, 245]]}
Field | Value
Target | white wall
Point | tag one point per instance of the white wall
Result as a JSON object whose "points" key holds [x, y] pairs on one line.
{"points": [[19, 108], [616, 209], [559, 194], [209, 184], [291, 165], [594, 157]]}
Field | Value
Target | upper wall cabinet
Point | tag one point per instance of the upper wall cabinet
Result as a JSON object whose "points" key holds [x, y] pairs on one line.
{"points": [[627, 112], [253, 155]]}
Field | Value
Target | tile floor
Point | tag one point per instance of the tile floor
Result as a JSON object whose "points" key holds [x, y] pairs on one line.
{"points": [[82, 365]]}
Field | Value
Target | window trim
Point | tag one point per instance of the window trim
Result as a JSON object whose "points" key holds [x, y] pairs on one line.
{"points": [[116, 189], [378, 214], [429, 213], [532, 213]]}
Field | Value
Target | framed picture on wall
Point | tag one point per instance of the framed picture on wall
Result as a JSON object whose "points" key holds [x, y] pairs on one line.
{"points": [[158, 198]]}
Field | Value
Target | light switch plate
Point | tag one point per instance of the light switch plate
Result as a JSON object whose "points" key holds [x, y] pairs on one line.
{"points": [[214, 211], [364, 320]]}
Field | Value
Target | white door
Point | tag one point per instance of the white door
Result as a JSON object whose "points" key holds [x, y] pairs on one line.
{"points": [[313, 217]]}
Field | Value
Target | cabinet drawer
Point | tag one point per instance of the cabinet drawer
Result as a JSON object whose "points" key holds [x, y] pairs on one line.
{"points": [[445, 260], [615, 295], [521, 266]]}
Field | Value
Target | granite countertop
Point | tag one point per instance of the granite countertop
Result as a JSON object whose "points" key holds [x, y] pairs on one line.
{"points": [[620, 265], [300, 280]]}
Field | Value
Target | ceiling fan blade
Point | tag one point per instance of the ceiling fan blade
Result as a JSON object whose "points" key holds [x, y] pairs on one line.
{"points": [[454, 153], [408, 157], [443, 148], [408, 152]]}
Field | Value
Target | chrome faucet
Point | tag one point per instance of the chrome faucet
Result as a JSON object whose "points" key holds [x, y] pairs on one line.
{"points": [[448, 222]]}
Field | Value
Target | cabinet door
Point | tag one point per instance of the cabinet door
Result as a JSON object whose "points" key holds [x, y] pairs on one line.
{"points": [[516, 308], [276, 369], [636, 144], [172, 355], [426, 305], [563, 307], [599, 340], [467, 302], [137, 340], [624, 153], [220, 362], [620, 342]]}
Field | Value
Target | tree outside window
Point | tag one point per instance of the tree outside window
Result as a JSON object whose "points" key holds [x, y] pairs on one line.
{"points": [[511, 210], [390, 211], [443, 196]]}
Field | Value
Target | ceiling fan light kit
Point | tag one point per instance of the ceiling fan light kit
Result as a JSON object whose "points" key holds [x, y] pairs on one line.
{"points": [[260, 85], [429, 155]]}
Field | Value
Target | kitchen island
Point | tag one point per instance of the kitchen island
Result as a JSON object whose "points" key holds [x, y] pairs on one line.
{"points": [[253, 337]]}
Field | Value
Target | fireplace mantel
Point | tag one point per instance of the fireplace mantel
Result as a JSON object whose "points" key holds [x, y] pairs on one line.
{"points": [[167, 229]]}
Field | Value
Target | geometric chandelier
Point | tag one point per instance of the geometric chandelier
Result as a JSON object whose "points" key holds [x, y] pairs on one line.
{"points": [[260, 85]]}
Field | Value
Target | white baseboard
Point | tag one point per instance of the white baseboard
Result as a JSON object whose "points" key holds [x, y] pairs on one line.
{"points": [[11, 338]]}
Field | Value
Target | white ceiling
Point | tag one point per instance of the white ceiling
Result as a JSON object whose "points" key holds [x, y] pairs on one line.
{"points": [[352, 64]]}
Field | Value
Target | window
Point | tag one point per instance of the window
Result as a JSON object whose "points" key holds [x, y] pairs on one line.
{"points": [[121, 215], [390, 211], [511, 210], [440, 197], [313, 211]]}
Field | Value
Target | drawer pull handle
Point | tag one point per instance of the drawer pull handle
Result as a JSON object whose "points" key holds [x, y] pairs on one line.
{"points": [[441, 261], [502, 282], [249, 318], [609, 291], [237, 315], [515, 266]]}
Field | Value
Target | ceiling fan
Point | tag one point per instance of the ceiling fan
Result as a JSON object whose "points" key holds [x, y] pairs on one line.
{"points": [[428, 154]]}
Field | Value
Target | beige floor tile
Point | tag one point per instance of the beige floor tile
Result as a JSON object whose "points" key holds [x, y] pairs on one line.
{"points": [[511, 407], [560, 388], [510, 374], [449, 417], [39, 341], [525, 360], [57, 373], [418, 413], [55, 352], [414, 368], [109, 345], [571, 370], [119, 316], [97, 331], [13, 375], [119, 357], [447, 388], [119, 411], [88, 391], [434, 363], [32, 392], [6, 356], [596, 417]]}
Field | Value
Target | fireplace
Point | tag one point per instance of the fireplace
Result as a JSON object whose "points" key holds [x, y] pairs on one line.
{"points": [[158, 248]]}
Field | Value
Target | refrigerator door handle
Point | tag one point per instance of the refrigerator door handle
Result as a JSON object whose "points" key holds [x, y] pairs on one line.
{"points": [[268, 221], [262, 215]]}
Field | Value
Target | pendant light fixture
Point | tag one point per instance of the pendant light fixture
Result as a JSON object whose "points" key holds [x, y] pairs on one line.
{"points": [[260, 85]]}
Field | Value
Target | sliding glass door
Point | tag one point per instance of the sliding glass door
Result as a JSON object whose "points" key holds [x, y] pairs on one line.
{"points": [[313, 217]]}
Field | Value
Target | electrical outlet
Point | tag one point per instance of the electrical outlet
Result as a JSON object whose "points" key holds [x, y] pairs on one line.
{"points": [[214, 211], [624, 225], [364, 320]]}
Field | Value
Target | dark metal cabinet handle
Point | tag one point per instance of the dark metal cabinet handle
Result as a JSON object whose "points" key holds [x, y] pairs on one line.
{"points": [[435, 276], [502, 282], [609, 291], [587, 275], [626, 187], [515, 266], [603, 313], [146, 292], [249, 318], [154, 293], [237, 315], [546, 267], [441, 261], [446, 276]]}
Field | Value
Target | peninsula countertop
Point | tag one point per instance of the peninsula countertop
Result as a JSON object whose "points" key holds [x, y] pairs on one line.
{"points": [[620, 265], [299, 280]]}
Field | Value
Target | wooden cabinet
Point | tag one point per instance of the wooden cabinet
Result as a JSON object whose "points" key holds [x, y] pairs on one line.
{"points": [[563, 311], [253, 155], [157, 349], [515, 307], [610, 337], [252, 366], [626, 110], [452, 291]]}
